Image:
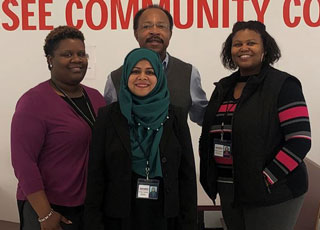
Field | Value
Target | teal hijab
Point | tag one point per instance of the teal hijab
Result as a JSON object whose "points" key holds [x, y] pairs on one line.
{"points": [[146, 115]]}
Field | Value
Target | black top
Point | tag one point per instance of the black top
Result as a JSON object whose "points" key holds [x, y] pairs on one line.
{"points": [[81, 102]]}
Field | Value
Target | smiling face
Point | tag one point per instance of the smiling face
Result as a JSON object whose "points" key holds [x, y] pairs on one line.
{"points": [[247, 51], [69, 62], [153, 31], [142, 79]]}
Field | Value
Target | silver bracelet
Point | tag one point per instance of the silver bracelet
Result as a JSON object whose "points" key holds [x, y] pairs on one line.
{"points": [[46, 217]]}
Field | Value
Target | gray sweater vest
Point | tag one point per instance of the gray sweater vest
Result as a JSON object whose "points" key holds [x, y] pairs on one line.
{"points": [[178, 78]]}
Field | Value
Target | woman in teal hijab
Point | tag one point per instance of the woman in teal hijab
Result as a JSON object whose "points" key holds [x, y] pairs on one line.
{"points": [[141, 166], [145, 114]]}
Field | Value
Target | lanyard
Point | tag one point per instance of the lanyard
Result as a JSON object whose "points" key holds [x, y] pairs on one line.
{"points": [[224, 118], [226, 112], [75, 107], [146, 152]]}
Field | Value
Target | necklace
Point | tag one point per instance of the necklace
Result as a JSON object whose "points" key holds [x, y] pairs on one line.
{"points": [[90, 122]]}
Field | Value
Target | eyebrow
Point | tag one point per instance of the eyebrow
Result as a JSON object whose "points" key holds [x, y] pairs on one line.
{"points": [[252, 39], [68, 50], [152, 22]]}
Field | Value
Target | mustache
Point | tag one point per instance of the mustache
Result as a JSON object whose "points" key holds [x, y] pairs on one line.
{"points": [[154, 38]]}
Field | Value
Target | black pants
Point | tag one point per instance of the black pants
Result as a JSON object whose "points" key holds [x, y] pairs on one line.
{"points": [[29, 218], [145, 214]]}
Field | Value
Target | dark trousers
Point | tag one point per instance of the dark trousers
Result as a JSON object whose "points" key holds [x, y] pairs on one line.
{"points": [[145, 214], [280, 216], [29, 218]]}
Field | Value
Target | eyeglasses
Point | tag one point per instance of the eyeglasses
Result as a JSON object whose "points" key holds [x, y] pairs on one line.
{"points": [[160, 26]]}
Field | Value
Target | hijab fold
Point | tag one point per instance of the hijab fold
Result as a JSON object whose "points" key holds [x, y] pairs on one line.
{"points": [[145, 115]]}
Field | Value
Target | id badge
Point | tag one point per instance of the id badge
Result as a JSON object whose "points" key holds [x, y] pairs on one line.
{"points": [[148, 189], [222, 148]]}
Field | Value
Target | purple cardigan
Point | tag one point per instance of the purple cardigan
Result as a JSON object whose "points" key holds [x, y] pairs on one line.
{"points": [[50, 145]]}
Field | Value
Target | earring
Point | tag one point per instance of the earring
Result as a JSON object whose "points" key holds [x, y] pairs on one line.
{"points": [[262, 57], [50, 66]]}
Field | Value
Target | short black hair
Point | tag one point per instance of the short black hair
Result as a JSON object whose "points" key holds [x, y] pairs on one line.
{"points": [[60, 33], [272, 52], [153, 6]]}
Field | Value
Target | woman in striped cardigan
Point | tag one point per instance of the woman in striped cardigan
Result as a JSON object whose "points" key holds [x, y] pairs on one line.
{"points": [[255, 135]]}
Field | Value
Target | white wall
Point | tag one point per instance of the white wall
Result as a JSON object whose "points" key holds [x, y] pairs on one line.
{"points": [[23, 64]]}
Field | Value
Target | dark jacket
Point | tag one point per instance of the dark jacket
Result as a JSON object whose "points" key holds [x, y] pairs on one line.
{"points": [[109, 178], [256, 139]]}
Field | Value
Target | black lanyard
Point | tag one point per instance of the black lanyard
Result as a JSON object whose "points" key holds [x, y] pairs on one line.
{"points": [[228, 95], [146, 152], [76, 108]]}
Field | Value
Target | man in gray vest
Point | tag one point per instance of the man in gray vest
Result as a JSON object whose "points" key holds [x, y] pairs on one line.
{"points": [[153, 29]]}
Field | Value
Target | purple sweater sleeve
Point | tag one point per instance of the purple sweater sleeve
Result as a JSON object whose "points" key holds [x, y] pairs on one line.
{"points": [[27, 138]]}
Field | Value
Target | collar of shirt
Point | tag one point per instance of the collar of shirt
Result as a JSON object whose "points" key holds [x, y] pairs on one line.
{"points": [[165, 62]]}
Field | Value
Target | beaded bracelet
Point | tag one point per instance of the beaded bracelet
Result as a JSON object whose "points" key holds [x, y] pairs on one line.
{"points": [[46, 217]]}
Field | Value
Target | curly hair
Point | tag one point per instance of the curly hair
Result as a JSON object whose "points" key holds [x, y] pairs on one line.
{"points": [[60, 33], [271, 49], [154, 6]]}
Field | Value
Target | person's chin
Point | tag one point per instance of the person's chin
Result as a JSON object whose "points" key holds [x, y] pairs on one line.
{"points": [[141, 93], [77, 79], [155, 47], [245, 65]]}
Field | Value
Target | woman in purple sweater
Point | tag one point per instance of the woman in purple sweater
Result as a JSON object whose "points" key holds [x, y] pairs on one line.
{"points": [[50, 137]]}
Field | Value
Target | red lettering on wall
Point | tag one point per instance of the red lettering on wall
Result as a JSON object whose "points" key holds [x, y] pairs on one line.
{"points": [[104, 14], [11, 15], [69, 18], [176, 14], [146, 3], [212, 19], [260, 11], [240, 8], [117, 7], [286, 13], [306, 14], [208, 12], [225, 13], [26, 14], [43, 14], [165, 4]]}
